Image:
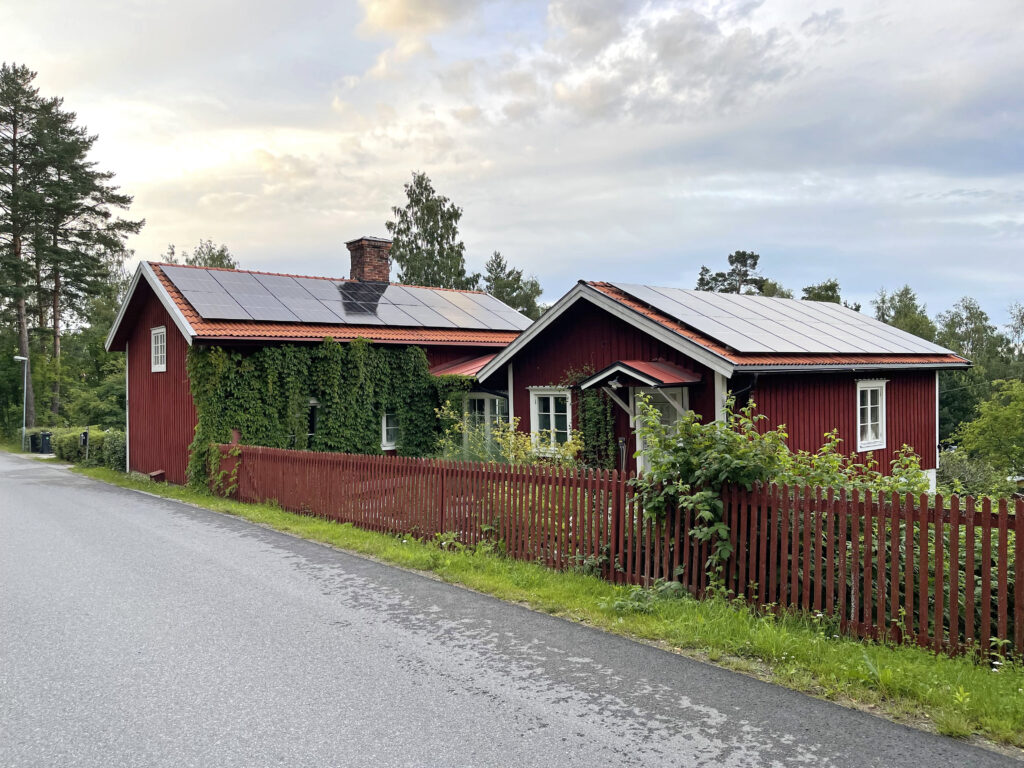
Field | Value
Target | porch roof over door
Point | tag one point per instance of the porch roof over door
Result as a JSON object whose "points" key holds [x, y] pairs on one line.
{"points": [[646, 373]]}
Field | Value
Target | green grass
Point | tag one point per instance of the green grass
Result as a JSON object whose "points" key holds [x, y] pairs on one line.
{"points": [[952, 696]]}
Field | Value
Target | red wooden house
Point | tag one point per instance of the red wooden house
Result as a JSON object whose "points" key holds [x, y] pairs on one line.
{"points": [[169, 308], [813, 366]]}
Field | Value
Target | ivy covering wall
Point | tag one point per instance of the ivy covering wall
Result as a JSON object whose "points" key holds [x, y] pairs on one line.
{"points": [[265, 394], [597, 423]]}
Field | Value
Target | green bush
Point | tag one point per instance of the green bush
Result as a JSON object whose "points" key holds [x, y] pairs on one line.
{"points": [[66, 445], [114, 444]]}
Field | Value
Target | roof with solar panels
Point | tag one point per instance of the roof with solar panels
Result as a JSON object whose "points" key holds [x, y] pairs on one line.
{"points": [[224, 305], [732, 332]]}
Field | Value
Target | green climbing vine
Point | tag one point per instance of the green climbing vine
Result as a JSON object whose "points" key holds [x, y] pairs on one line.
{"points": [[266, 395], [597, 423], [596, 419]]}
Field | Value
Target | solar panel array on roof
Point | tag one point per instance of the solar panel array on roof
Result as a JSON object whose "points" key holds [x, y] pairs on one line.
{"points": [[752, 324], [232, 295]]}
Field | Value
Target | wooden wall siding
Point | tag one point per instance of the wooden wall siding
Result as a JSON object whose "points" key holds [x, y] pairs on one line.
{"points": [[588, 336], [812, 404], [161, 415]]}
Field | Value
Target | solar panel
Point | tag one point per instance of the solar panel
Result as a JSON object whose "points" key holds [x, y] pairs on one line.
{"points": [[284, 287], [325, 290], [188, 278], [216, 306], [761, 324], [237, 295], [313, 311]]}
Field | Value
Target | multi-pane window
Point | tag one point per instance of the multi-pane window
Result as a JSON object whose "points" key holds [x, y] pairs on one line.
{"points": [[158, 349], [669, 403], [389, 431], [870, 415], [483, 410], [549, 416]]}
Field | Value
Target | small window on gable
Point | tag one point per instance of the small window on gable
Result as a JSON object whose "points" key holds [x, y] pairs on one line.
{"points": [[389, 431], [550, 417], [870, 415], [158, 349]]}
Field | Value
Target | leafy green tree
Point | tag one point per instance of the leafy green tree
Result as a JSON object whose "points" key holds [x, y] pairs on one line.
{"points": [[508, 285], [901, 309], [1015, 328], [772, 289], [425, 240], [827, 290], [742, 274], [997, 434], [206, 254], [967, 330]]}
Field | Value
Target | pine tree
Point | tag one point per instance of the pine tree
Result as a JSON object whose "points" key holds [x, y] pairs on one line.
{"points": [[425, 239], [508, 285], [21, 169], [79, 241], [742, 275]]}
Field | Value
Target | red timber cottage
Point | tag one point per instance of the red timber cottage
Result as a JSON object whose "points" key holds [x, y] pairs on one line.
{"points": [[812, 366], [170, 308]]}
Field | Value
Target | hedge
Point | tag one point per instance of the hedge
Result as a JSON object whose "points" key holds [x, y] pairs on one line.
{"points": [[106, 447]]}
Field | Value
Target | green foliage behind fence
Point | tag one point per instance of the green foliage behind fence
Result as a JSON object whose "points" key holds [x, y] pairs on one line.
{"points": [[266, 395]]}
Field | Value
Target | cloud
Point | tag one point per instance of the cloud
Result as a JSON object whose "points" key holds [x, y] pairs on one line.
{"points": [[627, 139]]}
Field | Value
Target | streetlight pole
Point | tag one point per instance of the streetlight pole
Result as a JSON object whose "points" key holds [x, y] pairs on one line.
{"points": [[24, 396]]}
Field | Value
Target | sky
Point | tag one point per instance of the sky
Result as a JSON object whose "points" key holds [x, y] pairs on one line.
{"points": [[879, 143]]}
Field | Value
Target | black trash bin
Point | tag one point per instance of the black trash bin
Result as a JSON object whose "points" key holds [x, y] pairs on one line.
{"points": [[33, 442], [45, 443]]}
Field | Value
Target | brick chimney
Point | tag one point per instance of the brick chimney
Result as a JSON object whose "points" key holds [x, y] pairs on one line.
{"points": [[371, 260]]}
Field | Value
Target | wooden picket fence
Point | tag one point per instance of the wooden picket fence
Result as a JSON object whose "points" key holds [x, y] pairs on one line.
{"points": [[940, 573]]}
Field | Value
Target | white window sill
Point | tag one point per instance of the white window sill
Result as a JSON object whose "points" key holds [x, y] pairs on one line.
{"points": [[864, 447]]}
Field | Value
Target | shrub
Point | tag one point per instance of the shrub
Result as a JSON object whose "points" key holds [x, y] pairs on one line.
{"points": [[114, 444], [66, 445]]}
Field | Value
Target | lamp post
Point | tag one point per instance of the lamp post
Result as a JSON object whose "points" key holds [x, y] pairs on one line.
{"points": [[24, 396]]}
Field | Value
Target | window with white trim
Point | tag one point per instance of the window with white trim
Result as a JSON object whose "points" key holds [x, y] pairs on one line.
{"points": [[484, 410], [870, 414], [670, 403], [158, 349], [549, 416], [389, 431]]}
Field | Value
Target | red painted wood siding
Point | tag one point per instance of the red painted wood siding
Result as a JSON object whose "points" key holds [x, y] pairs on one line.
{"points": [[808, 404], [586, 336], [161, 416], [812, 404]]}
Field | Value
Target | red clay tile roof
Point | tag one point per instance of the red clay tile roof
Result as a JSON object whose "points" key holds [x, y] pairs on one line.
{"points": [[251, 330], [662, 371], [467, 366], [773, 359]]}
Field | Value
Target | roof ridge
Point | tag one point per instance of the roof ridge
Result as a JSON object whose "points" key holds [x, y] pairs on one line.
{"points": [[312, 277]]}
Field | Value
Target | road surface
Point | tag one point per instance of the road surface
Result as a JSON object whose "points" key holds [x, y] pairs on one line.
{"points": [[137, 631]]}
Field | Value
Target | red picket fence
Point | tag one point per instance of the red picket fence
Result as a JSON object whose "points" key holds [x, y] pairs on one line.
{"points": [[888, 568]]}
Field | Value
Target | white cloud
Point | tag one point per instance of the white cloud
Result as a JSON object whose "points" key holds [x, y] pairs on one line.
{"points": [[880, 143]]}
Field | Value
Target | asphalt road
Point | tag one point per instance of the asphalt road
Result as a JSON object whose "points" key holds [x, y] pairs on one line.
{"points": [[136, 631]]}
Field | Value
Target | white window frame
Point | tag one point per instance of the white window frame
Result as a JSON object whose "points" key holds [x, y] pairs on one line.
{"points": [[869, 385], [535, 394], [385, 445], [490, 410], [677, 396], [158, 363]]}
